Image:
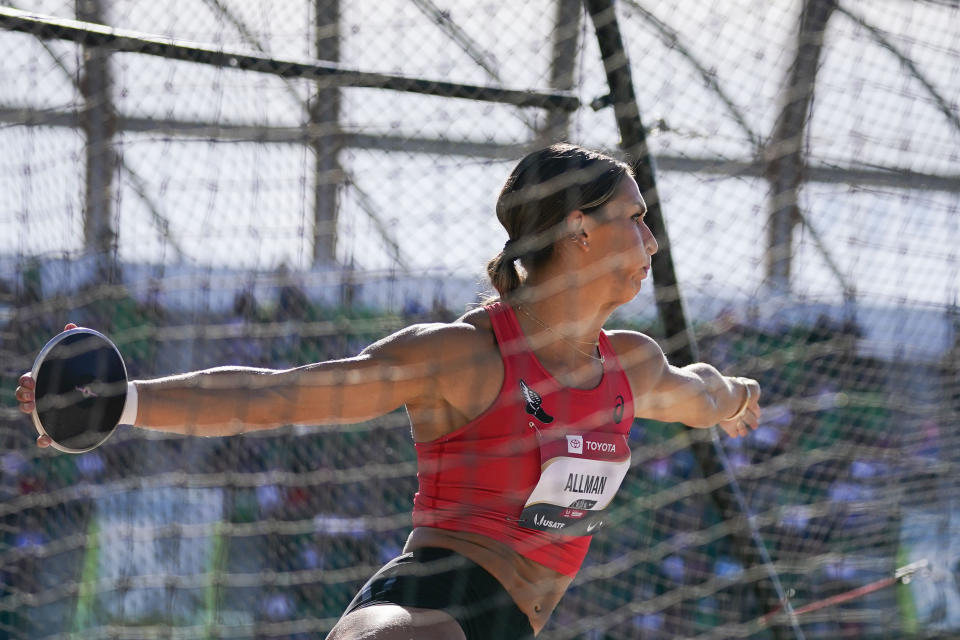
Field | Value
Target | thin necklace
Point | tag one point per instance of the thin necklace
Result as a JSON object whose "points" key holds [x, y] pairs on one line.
{"points": [[572, 343]]}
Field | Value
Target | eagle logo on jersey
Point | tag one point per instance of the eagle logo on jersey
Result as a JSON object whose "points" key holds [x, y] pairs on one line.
{"points": [[534, 404]]}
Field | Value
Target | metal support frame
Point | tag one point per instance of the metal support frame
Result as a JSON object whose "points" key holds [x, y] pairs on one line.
{"points": [[324, 111], [207, 131], [98, 121], [784, 154], [322, 133], [566, 33], [330, 74]]}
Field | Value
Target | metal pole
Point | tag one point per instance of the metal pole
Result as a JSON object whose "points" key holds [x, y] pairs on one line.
{"points": [[784, 153], [563, 65], [50, 27], [226, 132], [98, 120], [325, 121]]}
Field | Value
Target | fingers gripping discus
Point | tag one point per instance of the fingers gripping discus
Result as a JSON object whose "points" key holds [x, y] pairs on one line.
{"points": [[81, 390]]}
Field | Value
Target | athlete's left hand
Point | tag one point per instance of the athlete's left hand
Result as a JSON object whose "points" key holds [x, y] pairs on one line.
{"points": [[750, 419]]}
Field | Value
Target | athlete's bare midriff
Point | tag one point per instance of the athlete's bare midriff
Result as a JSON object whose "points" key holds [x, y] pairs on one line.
{"points": [[535, 588]]}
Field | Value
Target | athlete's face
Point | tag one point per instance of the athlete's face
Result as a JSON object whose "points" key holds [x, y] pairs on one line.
{"points": [[621, 240]]}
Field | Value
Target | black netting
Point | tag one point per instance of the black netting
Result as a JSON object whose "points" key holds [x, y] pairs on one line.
{"points": [[282, 182]]}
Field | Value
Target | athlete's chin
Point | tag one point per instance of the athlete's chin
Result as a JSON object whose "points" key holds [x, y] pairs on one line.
{"points": [[625, 288], [634, 291], [628, 293]]}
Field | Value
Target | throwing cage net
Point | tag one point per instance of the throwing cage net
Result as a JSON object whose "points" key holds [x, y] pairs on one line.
{"points": [[276, 183]]}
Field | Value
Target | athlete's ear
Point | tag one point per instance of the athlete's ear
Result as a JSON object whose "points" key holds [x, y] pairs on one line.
{"points": [[577, 224]]}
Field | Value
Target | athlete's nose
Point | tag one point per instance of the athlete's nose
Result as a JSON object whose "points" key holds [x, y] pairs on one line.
{"points": [[650, 242]]}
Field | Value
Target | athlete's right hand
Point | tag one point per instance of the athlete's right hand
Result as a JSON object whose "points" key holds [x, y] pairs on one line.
{"points": [[26, 398]]}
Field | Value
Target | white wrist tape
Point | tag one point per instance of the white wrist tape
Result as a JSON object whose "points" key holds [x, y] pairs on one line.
{"points": [[743, 407], [129, 415]]}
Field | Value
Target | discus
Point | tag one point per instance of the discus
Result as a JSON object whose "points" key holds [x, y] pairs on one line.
{"points": [[81, 389]]}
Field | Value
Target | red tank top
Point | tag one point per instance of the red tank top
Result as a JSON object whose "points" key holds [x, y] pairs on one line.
{"points": [[537, 468]]}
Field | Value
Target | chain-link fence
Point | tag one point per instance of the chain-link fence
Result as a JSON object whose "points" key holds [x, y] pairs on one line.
{"points": [[281, 182]]}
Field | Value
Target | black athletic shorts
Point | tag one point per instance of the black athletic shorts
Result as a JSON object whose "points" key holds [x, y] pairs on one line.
{"points": [[434, 578]]}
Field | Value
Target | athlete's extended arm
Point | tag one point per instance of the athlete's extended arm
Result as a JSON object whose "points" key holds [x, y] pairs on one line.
{"points": [[229, 400], [696, 395], [223, 401]]}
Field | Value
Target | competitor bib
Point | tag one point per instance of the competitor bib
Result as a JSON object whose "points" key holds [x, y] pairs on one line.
{"points": [[579, 475]]}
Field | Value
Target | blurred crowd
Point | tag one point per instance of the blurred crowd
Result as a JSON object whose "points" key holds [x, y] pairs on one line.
{"points": [[827, 479]]}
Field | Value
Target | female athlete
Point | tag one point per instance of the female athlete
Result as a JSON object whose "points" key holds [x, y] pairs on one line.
{"points": [[520, 410]]}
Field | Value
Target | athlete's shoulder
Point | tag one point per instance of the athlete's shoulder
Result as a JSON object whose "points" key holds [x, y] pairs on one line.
{"points": [[478, 318], [639, 355], [637, 344], [473, 326], [469, 332], [474, 330]]}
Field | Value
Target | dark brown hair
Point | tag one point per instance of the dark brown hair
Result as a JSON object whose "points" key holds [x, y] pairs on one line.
{"points": [[544, 187]]}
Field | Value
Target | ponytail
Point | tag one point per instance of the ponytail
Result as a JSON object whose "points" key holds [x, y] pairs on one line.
{"points": [[503, 272]]}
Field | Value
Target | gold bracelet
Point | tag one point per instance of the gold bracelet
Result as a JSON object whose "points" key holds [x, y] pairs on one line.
{"points": [[742, 409]]}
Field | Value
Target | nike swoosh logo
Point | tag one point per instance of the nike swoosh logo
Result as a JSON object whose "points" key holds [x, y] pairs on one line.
{"points": [[594, 525]]}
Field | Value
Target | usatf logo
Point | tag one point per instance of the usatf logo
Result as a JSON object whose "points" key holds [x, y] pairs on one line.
{"points": [[547, 523], [575, 444]]}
